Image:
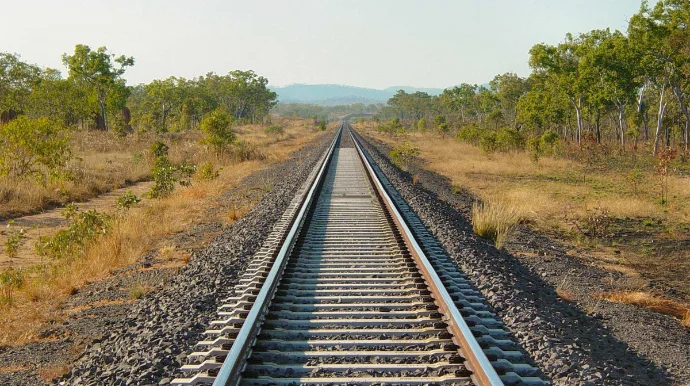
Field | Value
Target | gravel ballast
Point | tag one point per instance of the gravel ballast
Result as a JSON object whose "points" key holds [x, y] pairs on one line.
{"points": [[150, 344], [611, 344]]}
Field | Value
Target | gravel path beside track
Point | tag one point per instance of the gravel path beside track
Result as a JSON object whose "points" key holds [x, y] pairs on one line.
{"points": [[573, 347]]}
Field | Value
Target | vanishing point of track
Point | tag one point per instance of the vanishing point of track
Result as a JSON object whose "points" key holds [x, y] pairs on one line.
{"points": [[351, 288]]}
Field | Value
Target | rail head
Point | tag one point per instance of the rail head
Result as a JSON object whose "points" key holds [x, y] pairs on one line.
{"points": [[231, 370], [484, 373]]}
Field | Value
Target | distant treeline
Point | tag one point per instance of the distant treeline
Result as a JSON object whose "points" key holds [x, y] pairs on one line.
{"points": [[596, 86], [95, 95], [324, 112]]}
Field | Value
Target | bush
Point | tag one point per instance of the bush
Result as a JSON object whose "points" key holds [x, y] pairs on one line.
{"points": [[166, 174], [509, 140], [127, 200], [421, 124], [441, 124], [393, 127], [216, 126], [15, 239], [71, 242], [403, 154], [543, 145], [159, 149], [469, 133], [322, 125], [37, 147], [206, 172], [487, 142], [274, 129], [10, 280]]}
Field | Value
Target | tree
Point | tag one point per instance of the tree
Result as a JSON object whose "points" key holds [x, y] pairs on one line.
{"points": [[98, 69], [216, 125], [17, 79], [35, 147], [561, 65]]}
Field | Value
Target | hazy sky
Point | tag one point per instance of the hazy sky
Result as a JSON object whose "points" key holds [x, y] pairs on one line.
{"points": [[369, 43]]}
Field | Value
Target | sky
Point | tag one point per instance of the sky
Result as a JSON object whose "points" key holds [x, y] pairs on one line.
{"points": [[366, 43]]}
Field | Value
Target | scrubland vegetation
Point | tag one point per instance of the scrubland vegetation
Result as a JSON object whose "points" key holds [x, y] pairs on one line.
{"points": [[69, 139], [591, 148]]}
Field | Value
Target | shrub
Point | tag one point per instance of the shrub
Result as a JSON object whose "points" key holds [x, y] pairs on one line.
{"points": [[274, 129], [322, 125], [542, 145], [166, 174], [421, 124], [509, 140], [37, 147], [403, 154], [10, 280], [159, 149], [487, 142], [127, 200], [441, 124], [71, 242], [207, 172], [393, 127], [15, 239], [469, 133], [216, 126]]}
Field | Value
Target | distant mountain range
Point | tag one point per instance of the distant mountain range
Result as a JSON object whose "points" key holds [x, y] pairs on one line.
{"points": [[333, 94]]}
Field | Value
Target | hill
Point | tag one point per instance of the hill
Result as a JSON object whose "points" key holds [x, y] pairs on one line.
{"points": [[333, 94]]}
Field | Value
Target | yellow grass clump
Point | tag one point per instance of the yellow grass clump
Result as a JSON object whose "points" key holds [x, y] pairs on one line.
{"points": [[495, 219]]}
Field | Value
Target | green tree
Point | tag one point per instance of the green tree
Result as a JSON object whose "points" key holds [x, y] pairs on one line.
{"points": [[98, 69], [216, 126], [35, 147]]}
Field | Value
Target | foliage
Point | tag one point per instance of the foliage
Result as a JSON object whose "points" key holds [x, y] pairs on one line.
{"points": [[37, 147], [275, 129], [83, 227], [207, 172], [159, 149], [100, 72], [393, 127], [322, 125], [403, 154], [127, 200], [166, 174], [421, 124], [10, 280], [469, 133], [216, 126], [15, 239]]}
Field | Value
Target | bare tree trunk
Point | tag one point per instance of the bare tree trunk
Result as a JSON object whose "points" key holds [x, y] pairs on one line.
{"points": [[621, 123], [660, 118], [105, 118], [578, 113]]}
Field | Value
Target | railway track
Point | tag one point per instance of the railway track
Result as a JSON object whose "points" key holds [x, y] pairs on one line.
{"points": [[351, 288]]}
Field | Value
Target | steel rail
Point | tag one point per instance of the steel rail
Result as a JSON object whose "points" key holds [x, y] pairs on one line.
{"points": [[484, 372], [235, 361]]}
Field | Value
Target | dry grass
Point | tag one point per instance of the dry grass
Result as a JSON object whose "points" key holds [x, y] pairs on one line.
{"points": [[649, 301], [495, 219], [611, 208], [140, 229], [547, 189]]}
